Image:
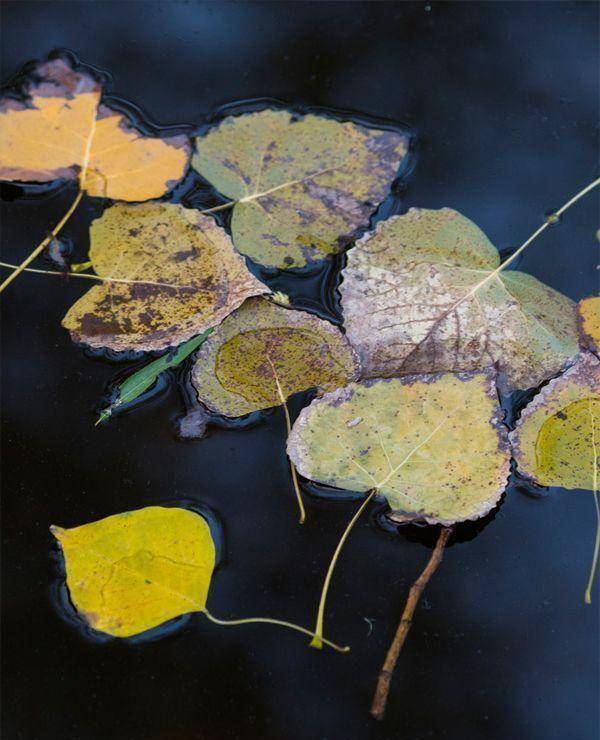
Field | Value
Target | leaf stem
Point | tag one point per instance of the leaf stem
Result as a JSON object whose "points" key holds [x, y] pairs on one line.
{"points": [[318, 639], [385, 676], [267, 620], [42, 245]]}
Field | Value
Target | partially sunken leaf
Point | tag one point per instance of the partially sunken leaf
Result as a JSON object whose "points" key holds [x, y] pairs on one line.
{"points": [[302, 186], [60, 127], [589, 323], [434, 446], [261, 345], [186, 278], [557, 438], [405, 311], [131, 572]]}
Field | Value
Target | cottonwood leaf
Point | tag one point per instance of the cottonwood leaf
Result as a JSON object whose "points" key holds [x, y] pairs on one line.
{"points": [[262, 348], [405, 311], [434, 446], [557, 439], [300, 186], [133, 571], [589, 323], [186, 278], [59, 127]]}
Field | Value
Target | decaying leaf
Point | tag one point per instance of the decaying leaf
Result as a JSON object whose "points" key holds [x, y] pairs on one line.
{"points": [[60, 127], [434, 446], [133, 571], [557, 439], [262, 346], [589, 323], [186, 278], [300, 186], [405, 311]]}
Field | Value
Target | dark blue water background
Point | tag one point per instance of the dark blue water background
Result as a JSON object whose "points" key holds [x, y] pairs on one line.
{"points": [[503, 100]]}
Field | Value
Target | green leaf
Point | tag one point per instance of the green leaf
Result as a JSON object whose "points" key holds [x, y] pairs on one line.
{"points": [[145, 377]]}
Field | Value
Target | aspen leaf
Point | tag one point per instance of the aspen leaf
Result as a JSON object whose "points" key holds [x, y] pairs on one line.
{"points": [[300, 187], [59, 127], [434, 446], [133, 571], [557, 438], [405, 311], [185, 278], [589, 323], [262, 348]]}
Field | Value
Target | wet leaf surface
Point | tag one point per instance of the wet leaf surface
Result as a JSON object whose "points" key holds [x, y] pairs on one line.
{"points": [[261, 345], [133, 571], [405, 311], [589, 323], [186, 278], [302, 186], [434, 446], [60, 127]]}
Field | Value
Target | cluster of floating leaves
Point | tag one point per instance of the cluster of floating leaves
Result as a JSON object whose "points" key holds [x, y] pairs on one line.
{"points": [[434, 327]]}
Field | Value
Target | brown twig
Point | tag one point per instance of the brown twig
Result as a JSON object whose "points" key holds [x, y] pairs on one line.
{"points": [[385, 676]]}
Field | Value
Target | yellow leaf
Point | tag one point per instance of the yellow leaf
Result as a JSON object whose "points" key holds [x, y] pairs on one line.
{"points": [[434, 446], [185, 278], [133, 571], [300, 187], [589, 324], [60, 130]]}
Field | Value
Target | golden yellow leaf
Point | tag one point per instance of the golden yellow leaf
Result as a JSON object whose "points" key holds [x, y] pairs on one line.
{"points": [[557, 439], [186, 278], [133, 571], [263, 353], [434, 446], [300, 186], [59, 128], [589, 322]]}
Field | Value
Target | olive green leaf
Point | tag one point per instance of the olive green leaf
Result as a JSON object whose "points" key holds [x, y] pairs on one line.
{"points": [[557, 438], [263, 353], [300, 187], [170, 273], [589, 323], [434, 446], [416, 299]]}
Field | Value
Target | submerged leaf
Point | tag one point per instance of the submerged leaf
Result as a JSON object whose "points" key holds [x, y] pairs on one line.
{"points": [[59, 128], [434, 446], [300, 186], [589, 323], [405, 311], [133, 571], [557, 439], [262, 347], [186, 278]]}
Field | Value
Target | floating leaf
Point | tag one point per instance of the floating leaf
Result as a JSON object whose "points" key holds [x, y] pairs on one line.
{"points": [[300, 186], [140, 381], [556, 440], [261, 346], [131, 572], [59, 128], [589, 323], [434, 446], [185, 278], [417, 299]]}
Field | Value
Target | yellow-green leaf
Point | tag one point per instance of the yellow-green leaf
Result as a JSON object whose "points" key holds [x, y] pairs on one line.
{"points": [[416, 298], [60, 128], [184, 278], [133, 571], [557, 439], [434, 446], [263, 352], [300, 186], [589, 322]]}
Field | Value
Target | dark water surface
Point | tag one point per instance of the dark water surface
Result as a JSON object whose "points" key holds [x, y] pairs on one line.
{"points": [[503, 100]]}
